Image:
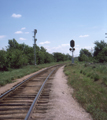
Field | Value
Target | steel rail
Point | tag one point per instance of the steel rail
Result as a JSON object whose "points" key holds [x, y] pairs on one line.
{"points": [[37, 96], [16, 86]]}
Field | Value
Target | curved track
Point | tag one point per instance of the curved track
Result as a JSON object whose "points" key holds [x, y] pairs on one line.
{"points": [[28, 99]]}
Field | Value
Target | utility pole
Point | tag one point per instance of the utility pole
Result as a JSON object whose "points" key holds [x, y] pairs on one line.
{"points": [[105, 34], [35, 31]]}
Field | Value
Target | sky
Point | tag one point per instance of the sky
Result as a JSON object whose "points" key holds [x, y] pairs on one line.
{"points": [[57, 23]]}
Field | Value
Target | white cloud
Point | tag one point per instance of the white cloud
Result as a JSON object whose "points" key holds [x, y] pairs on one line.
{"points": [[63, 48], [18, 32], [46, 42], [56, 48], [22, 38], [16, 15], [2, 36], [26, 32], [84, 36], [64, 45], [23, 28]]}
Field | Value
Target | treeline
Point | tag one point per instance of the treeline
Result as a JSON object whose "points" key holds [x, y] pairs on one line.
{"points": [[99, 54], [17, 55]]}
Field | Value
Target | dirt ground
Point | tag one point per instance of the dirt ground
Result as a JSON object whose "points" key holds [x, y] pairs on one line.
{"points": [[64, 105]]}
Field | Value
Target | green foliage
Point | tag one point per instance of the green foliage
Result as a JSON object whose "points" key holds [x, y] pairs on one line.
{"points": [[3, 60], [90, 94], [18, 55], [81, 71], [99, 54], [96, 77], [105, 80], [89, 75], [60, 57], [99, 47], [85, 55], [16, 58], [67, 73], [100, 51]]}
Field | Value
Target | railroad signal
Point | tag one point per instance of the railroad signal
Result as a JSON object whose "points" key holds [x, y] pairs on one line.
{"points": [[72, 43]]}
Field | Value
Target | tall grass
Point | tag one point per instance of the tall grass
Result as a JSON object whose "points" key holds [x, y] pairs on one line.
{"points": [[89, 83]]}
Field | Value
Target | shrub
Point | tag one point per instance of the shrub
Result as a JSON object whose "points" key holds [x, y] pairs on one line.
{"points": [[81, 71], [12, 78], [84, 73], [3, 65], [89, 74], [105, 80], [96, 77], [67, 73], [85, 65], [93, 67]]}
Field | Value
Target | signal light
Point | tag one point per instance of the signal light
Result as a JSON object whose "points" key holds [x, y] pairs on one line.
{"points": [[72, 43], [71, 49]]}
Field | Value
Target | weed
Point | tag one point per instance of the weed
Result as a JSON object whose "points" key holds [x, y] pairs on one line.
{"points": [[90, 108], [18, 76], [93, 67], [2, 83], [8, 80], [96, 77], [89, 74], [81, 71], [12, 77], [86, 65], [91, 95], [84, 72], [67, 73], [105, 80]]}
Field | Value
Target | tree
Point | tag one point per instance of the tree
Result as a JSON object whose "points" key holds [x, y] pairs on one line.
{"points": [[16, 59], [102, 55], [17, 55], [99, 46], [3, 60], [12, 44], [59, 56], [100, 51], [85, 55]]}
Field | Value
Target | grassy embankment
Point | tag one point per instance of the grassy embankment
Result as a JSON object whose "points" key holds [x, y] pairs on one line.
{"points": [[90, 87], [10, 76]]}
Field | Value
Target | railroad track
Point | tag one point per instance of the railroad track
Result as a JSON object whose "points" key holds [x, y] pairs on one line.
{"points": [[28, 100]]}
